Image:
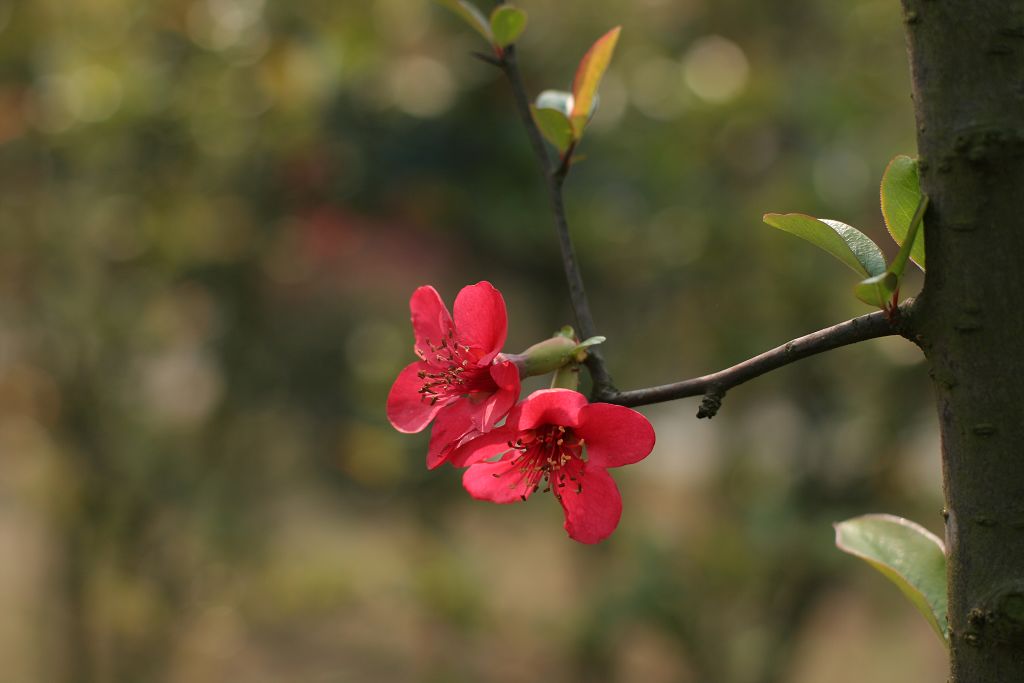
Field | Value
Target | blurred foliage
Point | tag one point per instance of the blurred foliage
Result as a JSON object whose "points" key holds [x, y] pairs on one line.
{"points": [[211, 217]]}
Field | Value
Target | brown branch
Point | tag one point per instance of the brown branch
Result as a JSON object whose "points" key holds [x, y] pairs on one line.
{"points": [[554, 176], [714, 386], [510, 66]]}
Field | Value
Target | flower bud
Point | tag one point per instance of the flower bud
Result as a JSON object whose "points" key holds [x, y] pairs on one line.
{"points": [[546, 356]]}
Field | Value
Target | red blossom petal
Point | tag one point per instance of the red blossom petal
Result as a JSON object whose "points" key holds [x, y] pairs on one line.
{"points": [[509, 486], [453, 425], [497, 405], [480, 319], [482, 447], [465, 419], [614, 435], [406, 409], [592, 514], [550, 406], [430, 318]]}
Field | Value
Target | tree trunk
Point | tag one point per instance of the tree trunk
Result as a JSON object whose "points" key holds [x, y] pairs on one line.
{"points": [[967, 64]]}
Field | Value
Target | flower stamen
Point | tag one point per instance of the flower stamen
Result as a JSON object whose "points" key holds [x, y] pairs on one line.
{"points": [[547, 455]]}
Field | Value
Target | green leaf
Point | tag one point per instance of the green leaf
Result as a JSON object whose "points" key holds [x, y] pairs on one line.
{"points": [[554, 126], [507, 23], [901, 194], [472, 16], [907, 554], [915, 235], [877, 290], [588, 77], [846, 243], [581, 348]]}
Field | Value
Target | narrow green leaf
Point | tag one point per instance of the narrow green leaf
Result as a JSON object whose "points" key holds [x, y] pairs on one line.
{"points": [[846, 243], [581, 348], [877, 290], [592, 341], [914, 237], [905, 553], [507, 23], [472, 16], [588, 77], [554, 126], [901, 194]]}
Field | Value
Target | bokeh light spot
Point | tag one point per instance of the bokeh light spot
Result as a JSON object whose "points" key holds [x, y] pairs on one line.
{"points": [[716, 69], [422, 87], [221, 24], [656, 89], [92, 93], [181, 386]]}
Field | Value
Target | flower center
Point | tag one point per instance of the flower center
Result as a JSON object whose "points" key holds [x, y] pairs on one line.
{"points": [[453, 370], [550, 453]]}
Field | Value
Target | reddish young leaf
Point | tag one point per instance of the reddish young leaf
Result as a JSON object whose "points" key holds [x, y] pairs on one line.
{"points": [[588, 77]]}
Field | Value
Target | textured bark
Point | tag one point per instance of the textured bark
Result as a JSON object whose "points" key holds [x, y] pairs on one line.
{"points": [[967, 64]]}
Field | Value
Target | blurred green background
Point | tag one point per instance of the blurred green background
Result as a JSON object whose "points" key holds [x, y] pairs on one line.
{"points": [[212, 213]]}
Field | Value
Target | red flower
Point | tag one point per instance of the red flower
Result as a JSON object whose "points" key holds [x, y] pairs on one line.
{"points": [[460, 380], [543, 440]]}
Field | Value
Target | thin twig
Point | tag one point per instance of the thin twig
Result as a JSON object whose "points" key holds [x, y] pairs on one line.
{"points": [[554, 176], [714, 386], [487, 58], [510, 67]]}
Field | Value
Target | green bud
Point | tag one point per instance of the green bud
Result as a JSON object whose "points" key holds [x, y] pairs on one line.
{"points": [[544, 357], [552, 354], [567, 332]]}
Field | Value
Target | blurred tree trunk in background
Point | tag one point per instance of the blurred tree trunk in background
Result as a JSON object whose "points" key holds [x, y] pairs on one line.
{"points": [[967, 62]]}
